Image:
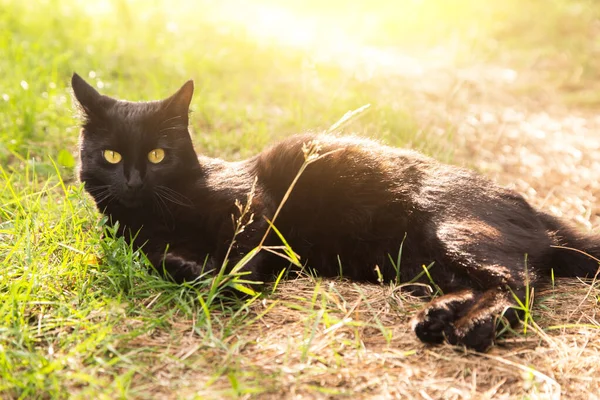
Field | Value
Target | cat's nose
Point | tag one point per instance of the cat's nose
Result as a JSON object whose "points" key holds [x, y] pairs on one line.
{"points": [[134, 181], [134, 185]]}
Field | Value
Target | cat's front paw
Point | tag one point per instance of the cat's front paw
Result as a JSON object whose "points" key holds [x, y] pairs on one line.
{"points": [[180, 269]]}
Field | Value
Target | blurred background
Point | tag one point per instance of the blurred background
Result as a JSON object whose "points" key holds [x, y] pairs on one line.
{"points": [[507, 87]]}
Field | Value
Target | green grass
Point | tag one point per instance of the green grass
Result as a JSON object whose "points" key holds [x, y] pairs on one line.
{"points": [[81, 314]]}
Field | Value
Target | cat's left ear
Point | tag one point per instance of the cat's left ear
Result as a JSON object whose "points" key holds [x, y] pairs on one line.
{"points": [[179, 103]]}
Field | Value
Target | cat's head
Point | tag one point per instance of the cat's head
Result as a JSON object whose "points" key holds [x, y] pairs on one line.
{"points": [[131, 150]]}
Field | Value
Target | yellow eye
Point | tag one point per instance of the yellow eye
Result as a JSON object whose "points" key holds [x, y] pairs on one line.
{"points": [[156, 156], [112, 156]]}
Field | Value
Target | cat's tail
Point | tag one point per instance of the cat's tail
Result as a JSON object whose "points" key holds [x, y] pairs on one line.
{"points": [[574, 253]]}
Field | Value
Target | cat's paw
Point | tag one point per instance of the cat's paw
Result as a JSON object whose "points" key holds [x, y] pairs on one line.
{"points": [[466, 318], [180, 269], [435, 322], [432, 324], [439, 324], [475, 334]]}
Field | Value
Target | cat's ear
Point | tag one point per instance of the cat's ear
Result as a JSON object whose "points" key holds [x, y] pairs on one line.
{"points": [[92, 102], [179, 103]]}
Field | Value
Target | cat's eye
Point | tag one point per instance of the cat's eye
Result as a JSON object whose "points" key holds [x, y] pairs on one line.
{"points": [[156, 156], [111, 156]]}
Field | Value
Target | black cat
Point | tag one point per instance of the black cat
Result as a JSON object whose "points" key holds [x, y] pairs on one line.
{"points": [[351, 210]]}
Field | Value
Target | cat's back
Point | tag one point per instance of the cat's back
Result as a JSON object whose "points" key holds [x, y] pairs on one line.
{"points": [[355, 182], [344, 163]]}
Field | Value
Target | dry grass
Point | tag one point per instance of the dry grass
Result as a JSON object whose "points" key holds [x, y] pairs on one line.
{"points": [[335, 338]]}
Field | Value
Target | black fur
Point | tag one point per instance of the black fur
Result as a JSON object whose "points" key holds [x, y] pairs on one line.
{"points": [[358, 204]]}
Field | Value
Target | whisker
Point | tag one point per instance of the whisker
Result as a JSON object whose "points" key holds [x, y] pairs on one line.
{"points": [[156, 206], [174, 196], [168, 197], [161, 204], [172, 128], [97, 188], [110, 200], [104, 197]]}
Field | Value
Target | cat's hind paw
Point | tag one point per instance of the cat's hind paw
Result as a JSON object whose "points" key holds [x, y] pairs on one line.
{"points": [[477, 335], [432, 326], [466, 318], [434, 323]]}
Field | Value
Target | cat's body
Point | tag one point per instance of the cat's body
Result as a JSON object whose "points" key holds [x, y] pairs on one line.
{"points": [[349, 213]]}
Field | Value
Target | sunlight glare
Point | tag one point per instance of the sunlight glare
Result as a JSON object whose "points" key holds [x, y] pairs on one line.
{"points": [[405, 38]]}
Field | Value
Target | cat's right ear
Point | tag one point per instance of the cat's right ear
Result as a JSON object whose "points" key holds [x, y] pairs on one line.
{"points": [[92, 102], [179, 103]]}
